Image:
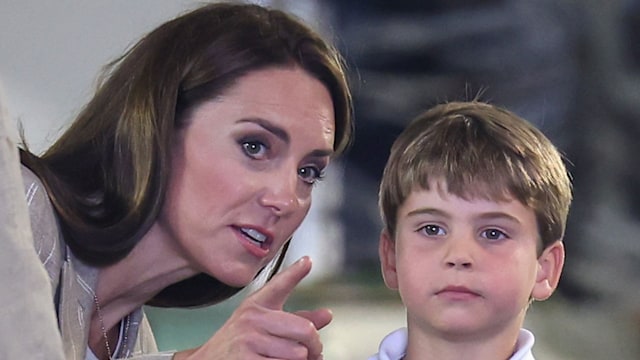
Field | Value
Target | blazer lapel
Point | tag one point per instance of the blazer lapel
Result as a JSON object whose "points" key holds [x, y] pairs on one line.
{"points": [[76, 306]]}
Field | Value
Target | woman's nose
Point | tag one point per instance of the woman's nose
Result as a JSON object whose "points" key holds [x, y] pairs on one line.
{"points": [[281, 195]]}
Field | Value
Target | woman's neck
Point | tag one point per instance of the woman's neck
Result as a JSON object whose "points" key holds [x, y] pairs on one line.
{"points": [[150, 267]]}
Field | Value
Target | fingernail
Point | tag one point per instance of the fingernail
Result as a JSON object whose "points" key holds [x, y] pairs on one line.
{"points": [[302, 260]]}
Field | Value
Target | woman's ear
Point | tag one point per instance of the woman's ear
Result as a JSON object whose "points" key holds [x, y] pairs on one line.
{"points": [[550, 265], [387, 253]]}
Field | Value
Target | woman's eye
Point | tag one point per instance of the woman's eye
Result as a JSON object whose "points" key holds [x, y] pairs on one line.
{"points": [[254, 149], [310, 174], [493, 234], [432, 230]]}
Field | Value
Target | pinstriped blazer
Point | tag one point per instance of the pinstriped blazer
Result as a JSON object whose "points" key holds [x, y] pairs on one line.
{"points": [[73, 282], [28, 323]]}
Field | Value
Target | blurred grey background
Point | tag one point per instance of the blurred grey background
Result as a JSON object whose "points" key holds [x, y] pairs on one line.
{"points": [[570, 66]]}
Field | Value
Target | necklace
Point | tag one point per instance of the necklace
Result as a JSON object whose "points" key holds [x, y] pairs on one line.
{"points": [[104, 330]]}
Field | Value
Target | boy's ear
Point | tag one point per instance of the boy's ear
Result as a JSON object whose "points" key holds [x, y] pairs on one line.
{"points": [[550, 265], [387, 253]]}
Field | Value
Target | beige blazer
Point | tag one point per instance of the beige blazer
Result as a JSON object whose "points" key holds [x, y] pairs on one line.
{"points": [[28, 324], [73, 283]]}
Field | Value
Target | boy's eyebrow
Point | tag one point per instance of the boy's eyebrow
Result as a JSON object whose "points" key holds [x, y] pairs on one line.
{"points": [[429, 211], [483, 216], [498, 215]]}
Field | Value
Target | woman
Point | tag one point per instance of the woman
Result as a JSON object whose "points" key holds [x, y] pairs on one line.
{"points": [[184, 177]]}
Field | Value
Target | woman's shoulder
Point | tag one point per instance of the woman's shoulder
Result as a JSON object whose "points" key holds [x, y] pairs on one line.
{"points": [[38, 201], [47, 238]]}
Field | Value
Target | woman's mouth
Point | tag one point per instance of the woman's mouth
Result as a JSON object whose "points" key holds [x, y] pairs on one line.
{"points": [[255, 236], [256, 241]]}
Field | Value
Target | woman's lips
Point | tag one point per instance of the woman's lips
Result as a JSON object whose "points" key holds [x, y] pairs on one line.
{"points": [[257, 249]]}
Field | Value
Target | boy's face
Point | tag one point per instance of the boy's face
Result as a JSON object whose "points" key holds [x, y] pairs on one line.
{"points": [[467, 268]]}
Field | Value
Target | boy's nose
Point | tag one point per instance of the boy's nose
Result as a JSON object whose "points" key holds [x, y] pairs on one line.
{"points": [[459, 254], [459, 263]]}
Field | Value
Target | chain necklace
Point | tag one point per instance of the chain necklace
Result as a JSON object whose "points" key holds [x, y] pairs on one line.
{"points": [[104, 330]]}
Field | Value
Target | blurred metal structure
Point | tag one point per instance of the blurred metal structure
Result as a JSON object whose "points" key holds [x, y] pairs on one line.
{"points": [[408, 55]]}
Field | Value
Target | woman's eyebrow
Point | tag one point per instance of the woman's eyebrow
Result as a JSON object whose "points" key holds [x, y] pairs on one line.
{"points": [[282, 134], [270, 127]]}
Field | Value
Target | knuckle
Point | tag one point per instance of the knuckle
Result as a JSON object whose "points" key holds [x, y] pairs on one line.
{"points": [[309, 330], [300, 352]]}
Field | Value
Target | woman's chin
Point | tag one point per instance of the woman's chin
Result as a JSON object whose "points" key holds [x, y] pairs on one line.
{"points": [[238, 280], [238, 276]]}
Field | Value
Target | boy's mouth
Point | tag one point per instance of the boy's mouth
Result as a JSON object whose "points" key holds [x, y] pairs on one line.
{"points": [[457, 292]]}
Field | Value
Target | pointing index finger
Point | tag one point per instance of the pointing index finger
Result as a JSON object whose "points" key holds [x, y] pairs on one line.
{"points": [[274, 294]]}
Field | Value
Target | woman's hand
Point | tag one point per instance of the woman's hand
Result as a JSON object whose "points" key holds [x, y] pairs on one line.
{"points": [[260, 329]]}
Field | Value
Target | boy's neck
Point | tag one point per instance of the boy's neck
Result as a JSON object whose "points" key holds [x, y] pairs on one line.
{"points": [[426, 346]]}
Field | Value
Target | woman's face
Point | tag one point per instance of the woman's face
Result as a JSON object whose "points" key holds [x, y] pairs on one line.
{"points": [[244, 167]]}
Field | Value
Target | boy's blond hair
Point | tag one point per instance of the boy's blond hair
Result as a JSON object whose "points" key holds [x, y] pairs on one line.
{"points": [[479, 151]]}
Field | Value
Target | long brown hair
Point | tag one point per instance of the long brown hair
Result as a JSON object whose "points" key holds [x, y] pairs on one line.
{"points": [[106, 175]]}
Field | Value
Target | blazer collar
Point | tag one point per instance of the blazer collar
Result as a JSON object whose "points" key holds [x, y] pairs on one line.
{"points": [[78, 282]]}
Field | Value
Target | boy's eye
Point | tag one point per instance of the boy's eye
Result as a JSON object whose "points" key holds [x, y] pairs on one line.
{"points": [[254, 149], [310, 174], [493, 234], [432, 230]]}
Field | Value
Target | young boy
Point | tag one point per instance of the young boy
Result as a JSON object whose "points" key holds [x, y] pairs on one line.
{"points": [[474, 202]]}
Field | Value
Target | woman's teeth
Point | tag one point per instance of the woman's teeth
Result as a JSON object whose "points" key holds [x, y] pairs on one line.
{"points": [[254, 235]]}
